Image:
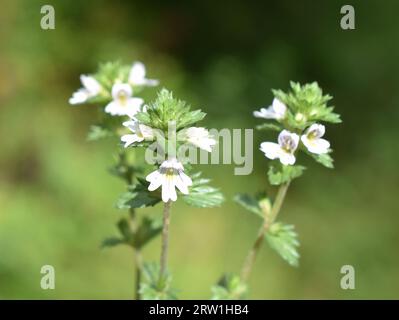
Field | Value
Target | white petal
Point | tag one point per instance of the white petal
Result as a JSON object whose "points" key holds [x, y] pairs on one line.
{"points": [[181, 185], [279, 108], [185, 178], [146, 132], [155, 178], [137, 73], [317, 146], [319, 128], [271, 150], [168, 190], [287, 136], [121, 87], [133, 106], [79, 97], [265, 113], [129, 139], [91, 84], [114, 108], [287, 158]]}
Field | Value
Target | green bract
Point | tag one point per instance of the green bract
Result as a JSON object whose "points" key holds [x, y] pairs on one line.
{"points": [[166, 110]]}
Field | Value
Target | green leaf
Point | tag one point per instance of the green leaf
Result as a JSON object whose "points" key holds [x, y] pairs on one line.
{"points": [[98, 132], [229, 287], [202, 195], [250, 203], [138, 197], [112, 242], [269, 126], [190, 118], [284, 174], [149, 229], [324, 159], [153, 289], [284, 240]]}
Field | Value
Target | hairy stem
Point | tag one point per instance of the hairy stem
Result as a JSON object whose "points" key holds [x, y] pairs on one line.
{"points": [[165, 242], [268, 219], [138, 261]]}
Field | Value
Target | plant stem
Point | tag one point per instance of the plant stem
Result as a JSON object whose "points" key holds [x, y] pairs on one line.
{"points": [[165, 242], [137, 254], [268, 219], [138, 265]]}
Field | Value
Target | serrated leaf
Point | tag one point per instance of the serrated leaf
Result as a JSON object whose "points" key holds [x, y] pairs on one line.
{"points": [[152, 289], [229, 287], [201, 194], [204, 197], [250, 203], [269, 126], [284, 174], [138, 196], [324, 159], [284, 240]]}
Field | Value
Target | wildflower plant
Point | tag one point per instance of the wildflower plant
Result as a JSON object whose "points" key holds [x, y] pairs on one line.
{"points": [[297, 116], [161, 129]]}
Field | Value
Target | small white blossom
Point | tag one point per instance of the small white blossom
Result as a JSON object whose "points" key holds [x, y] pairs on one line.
{"points": [[137, 76], [170, 176], [313, 141], [91, 88], [284, 149], [198, 137], [140, 131], [123, 104], [276, 111]]}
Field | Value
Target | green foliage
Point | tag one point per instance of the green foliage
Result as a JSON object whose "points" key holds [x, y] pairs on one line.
{"points": [[97, 132], [138, 196], [283, 239], [166, 109], [269, 126], [112, 242], [123, 168], [284, 174], [250, 203], [135, 234], [202, 195], [324, 159], [154, 289], [149, 228], [306, 105], [229, 287]]}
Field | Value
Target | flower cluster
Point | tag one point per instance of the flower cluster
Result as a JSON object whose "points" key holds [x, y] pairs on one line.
{"points": [[297, 115], [116, 85], [165, 118]]}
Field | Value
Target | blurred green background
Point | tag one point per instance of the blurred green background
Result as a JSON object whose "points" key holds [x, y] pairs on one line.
{"points": [[57, 199]]}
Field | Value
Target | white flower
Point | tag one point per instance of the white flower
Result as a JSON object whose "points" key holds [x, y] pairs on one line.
{"points": [[137, 76], [198, 137], [91, 88], [276, 111], [313, 141], [140, 131], [169, 175], [284, 149], [123, 103]]}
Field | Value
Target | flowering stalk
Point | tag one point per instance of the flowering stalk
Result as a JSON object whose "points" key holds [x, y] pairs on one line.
{"points": [[296, 115], [114, 89], [267, 222], [165, 243]]}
